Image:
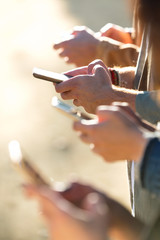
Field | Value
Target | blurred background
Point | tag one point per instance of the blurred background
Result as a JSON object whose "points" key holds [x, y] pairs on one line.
{"points": [[28, 29]]}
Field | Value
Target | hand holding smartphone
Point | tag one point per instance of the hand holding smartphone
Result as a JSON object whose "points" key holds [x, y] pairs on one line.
{"points": [[22, 165], [50, 76], [69, 110]]}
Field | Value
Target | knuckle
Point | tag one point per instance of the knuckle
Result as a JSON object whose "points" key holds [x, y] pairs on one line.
{"points": [[76, 103], [83, 28], [76, 95], [64, 96], [57, 88], [110, 26], [98, 61], [77, 82]]}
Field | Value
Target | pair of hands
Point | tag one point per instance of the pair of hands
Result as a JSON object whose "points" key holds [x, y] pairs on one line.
{"points": [[80, 47], [82, 212]]}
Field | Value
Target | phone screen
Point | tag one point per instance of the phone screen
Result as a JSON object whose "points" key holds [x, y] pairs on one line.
{"points": [[69, 110]]}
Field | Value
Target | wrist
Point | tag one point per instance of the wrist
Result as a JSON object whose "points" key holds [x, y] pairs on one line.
{"points": [[125, 95], [115, 77], [126, 76]]}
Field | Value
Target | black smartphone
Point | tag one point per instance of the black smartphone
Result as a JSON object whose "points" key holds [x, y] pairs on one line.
{"points": [[69, 110], [23, 166], [50, 76]]}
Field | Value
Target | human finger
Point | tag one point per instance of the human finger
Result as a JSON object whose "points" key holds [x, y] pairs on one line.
{"points": [[94, 63], [77, 71], [68, 95], [62, 44], [68, 60], [96, 203], [106, 27], [103, 75], [64, 53], [128, 111], [86, 138], [133, 116], [67, 85], [78, 29], [29, 190], [85, 126], [106, 112], [34, 191], [45, 196], [75, 192], [126, 108], [76, 102]]}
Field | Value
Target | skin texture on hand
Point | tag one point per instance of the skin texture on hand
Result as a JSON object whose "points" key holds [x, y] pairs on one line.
{"points": [[116, 32], [67, 221], [94, 89], [95, 215], [114, 136], [80, 46], [89, 90]]}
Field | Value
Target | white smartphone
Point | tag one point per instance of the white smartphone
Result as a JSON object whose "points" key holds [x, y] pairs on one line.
{"points": [[23, 166], [49, 76], [68, 110]]}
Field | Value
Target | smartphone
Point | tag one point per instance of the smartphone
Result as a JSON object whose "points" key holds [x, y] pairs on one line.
{"points": [[69, 110], [50, 76], [23, 166]]}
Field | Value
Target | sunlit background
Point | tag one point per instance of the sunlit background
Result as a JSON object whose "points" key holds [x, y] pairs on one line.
{"points": [[28, 29]]}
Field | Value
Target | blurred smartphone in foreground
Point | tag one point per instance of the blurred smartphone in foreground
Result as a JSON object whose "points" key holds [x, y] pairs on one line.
{"points": [[49, 76], [23, 166], [68, 110]]}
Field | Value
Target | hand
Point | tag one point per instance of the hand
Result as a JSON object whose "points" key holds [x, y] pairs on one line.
{"points": [[116, 32], [134, 117], [114, 136], [85, 69], [80, 48], [89, 90], [65, 220], [96, 216]]}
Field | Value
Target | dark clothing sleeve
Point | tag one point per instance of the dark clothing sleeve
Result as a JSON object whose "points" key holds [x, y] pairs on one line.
{"points": [[147, 106], [150, 167]]}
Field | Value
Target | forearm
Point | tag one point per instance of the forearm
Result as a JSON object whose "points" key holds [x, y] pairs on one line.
{"points": [[114, 53], [124, 95], [126, 76]]}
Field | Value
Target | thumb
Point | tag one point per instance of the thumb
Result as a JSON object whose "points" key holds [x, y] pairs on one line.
{"points": [[95, 203], [103, 75]]}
